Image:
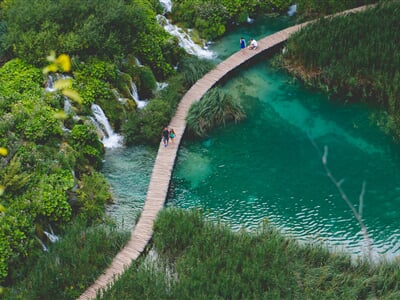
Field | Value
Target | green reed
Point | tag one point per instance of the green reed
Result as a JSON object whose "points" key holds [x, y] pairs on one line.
{"points": [[197, 259], [71, 264]]}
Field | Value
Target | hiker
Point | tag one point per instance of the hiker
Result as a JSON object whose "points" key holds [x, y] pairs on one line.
{"points": [[172, 135], [165, 136], [242, 43]]}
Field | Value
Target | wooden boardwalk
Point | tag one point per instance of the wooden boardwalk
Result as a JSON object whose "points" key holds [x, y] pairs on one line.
{"points": [[164, 163]]}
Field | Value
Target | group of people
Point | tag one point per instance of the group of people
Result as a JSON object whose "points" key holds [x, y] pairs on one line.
{"points": [[252, 44], [167, 135]]}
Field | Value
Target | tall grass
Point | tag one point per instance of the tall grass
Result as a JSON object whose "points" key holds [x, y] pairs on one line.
{"points": [[71, 264], [193, 68], [215, 108], [202, 260], [356, 57]]}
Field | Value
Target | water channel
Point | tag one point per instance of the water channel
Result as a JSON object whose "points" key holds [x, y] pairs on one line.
{"points": [[268, 167]]}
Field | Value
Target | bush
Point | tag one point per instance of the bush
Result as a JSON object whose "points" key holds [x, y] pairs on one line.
{"points": [[71, 264], [214, 109], [92, 195], [85, 142], [145, 126]]}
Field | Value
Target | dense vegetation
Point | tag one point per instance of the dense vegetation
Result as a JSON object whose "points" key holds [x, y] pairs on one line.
{"points": [[70, 265], [208, 261], [49, 173], [214, 18], [312, 9], [52, 152], [356, 58], [109, 30]]}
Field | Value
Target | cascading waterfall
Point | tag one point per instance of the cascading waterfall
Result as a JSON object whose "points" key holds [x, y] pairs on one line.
{"points": [[167, 4], [50, 235], [51, 79], [161, 85], [135, 96], [185, 41], [109, 138]]}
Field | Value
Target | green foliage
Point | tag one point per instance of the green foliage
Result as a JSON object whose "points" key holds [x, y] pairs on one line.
{"points": [[40, 126], [214, 109], [213, 18], [193, 68], [92, 196], [145, 125], [143, 78], [208, 261], [109, 30], [71, 264], [314, 8], [13, 177], [92, 89], [85, 141], [147, 83], [18, 81], [49, 198], [15, 228], [355, 57]]}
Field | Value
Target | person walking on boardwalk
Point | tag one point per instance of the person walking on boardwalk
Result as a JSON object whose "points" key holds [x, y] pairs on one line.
{"points": [[165, 136], [172, 135], [242, 43]]}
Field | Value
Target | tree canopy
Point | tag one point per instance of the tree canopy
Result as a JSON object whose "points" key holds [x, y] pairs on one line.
{"points": [[107, 29]]}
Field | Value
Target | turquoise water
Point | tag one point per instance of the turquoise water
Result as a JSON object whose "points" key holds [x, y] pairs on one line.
{"points": [[269, 166], [128, 171]]}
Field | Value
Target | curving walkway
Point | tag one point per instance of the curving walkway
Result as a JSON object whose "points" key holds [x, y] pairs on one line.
{"points": [[164, 163]]}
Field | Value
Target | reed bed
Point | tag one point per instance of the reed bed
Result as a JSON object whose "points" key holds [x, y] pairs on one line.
{"points": [[197, 259]]}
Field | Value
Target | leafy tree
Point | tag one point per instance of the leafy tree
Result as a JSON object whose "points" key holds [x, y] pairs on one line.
{"points": [[107, 29]]}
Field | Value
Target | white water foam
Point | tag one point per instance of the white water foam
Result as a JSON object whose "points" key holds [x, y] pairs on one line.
{"points": [[185, 41], [110, 139]]}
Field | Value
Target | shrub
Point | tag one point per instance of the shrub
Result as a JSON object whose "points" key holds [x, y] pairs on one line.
{"points": [[214, 109]]}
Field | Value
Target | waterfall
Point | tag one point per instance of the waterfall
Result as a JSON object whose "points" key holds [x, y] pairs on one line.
{"points": [[250, 20], [109, 138], [51, 79], [185, 41], [49, 87], [292, 10], [135, 96], [118, 96], [161, 86], [50, 235], [138, 63], [167, 4], [44, 247]]}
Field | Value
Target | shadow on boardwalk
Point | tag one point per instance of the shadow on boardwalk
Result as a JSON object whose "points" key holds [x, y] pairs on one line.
{"points": [[162, 170]]}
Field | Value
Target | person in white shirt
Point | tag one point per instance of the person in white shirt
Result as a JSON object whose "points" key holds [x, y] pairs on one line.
{"points": [[253, 44]]}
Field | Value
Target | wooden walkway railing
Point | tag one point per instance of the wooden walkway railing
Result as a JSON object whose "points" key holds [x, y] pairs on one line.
{"points": [[163, 166]]}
